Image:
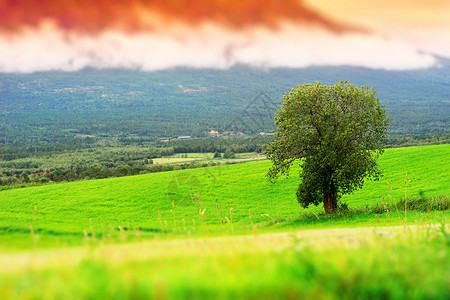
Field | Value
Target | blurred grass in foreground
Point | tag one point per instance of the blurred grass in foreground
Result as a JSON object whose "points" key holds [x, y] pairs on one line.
{"points": [[387, 263]]}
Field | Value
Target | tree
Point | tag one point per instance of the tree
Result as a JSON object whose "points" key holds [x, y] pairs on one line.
{"points": [[336, 133], [24, 177], [229, 154], [217, 154]]}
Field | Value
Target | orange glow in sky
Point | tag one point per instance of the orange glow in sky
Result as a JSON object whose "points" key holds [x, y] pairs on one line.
{"points": [[156, 34], [92, 16]]}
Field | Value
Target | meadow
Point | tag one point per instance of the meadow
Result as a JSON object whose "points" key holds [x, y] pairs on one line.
{"points": [[225, 232], [209, 157]]}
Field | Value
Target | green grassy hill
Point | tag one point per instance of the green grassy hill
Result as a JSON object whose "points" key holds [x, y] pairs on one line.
{"points": [[62, 211], [387, 262]]}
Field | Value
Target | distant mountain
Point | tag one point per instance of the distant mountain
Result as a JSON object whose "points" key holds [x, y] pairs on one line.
{"points": [[191, 101]]}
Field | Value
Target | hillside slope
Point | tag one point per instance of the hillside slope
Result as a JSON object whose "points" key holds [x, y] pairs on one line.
{"points": [[65, 209]]}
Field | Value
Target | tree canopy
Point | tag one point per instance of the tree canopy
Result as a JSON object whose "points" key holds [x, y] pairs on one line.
{"points": [[336, 133]]}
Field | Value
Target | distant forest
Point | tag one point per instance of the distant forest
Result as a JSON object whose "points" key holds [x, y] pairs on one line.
{"points": [[59, 111]]}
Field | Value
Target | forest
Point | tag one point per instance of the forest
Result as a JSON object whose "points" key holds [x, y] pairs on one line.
{"points": [[43, 108]]}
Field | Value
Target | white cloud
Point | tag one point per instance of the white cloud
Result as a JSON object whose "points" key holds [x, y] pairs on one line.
{"points": [[48, 48]]}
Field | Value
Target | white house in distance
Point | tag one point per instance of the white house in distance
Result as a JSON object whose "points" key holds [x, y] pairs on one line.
{"points": [[184, 137]]}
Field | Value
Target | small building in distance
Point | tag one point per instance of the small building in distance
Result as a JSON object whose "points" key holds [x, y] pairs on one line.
{"points": [[267, 133], [184, 137], [237, 133], [213, 133], [165, 139]]}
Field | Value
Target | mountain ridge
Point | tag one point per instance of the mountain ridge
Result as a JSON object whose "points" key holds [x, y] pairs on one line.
{"points": [[185, 101]]}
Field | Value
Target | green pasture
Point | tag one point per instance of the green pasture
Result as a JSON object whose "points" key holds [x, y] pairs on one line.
{"points": [[190, 157], [182, 158], [66, 213], [193, 155], [427, 169], [174, 160]]}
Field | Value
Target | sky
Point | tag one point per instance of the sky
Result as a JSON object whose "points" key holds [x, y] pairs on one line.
{"points": [[149, 35]]}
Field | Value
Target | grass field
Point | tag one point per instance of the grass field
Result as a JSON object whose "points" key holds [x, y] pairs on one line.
{"points": [[190, 157], [194, 155], [82, 225], [63, 211], [174, 160]]}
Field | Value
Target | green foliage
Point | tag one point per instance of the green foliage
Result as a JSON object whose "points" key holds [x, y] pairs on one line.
{"points": [[424, 204], [338, 131], [237, 144], [101, 162], [427, 203], [419, 204], [229, 154], [396, 141]]}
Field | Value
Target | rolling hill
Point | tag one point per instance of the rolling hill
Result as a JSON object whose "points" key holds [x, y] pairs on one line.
{"points": [[64, 211]]}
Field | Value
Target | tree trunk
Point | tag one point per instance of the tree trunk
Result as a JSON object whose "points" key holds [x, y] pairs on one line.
{"points": [[330, 202]]}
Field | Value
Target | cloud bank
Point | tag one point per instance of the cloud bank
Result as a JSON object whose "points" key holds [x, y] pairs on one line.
{"points": [[155, 35]]}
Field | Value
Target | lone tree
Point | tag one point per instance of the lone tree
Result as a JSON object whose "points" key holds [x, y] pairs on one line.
{"points": [[336, 133]]}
